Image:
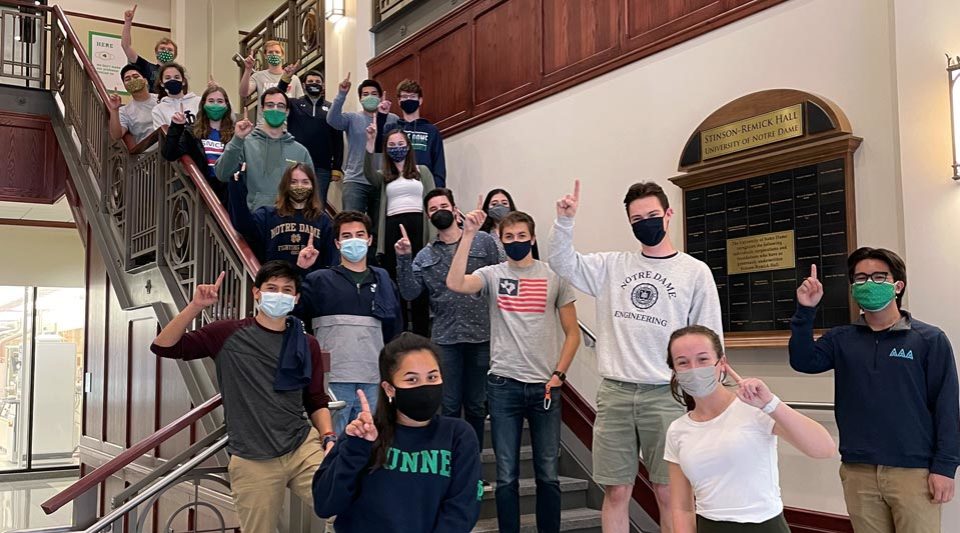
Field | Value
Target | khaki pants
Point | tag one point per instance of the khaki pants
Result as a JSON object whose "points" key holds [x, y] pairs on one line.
{"points": [[886, 499], [259, 487]]}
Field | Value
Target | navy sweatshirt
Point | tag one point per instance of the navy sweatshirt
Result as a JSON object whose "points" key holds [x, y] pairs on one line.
{"points": [[896, 392], [430, 482], [307, 122], [427, 144], [272, 236]]}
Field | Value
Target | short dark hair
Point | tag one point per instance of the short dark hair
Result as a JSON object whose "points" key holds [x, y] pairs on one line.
{"points": [[128, 67], [274, 90], [409, 86], [898, 268], [346, 217], [314, 72], [277, 269], [519, 217], [369, 83], [644, 189], [439, 191]]}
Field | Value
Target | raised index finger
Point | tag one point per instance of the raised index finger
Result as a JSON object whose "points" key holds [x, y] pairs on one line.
{"points": [[736, 377], [364, 404], [813, 270], [219, 280], [480, 202], [348, 76], [310, 240], [576, 190], [403, 231]]}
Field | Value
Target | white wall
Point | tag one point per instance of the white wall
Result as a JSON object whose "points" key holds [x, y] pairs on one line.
{"points": [[43, 257], [153, 12]]}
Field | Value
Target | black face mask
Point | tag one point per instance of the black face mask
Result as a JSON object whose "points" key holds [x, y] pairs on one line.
{"points": [[313, 89], [409, 106], [419, 403], [173, 86], [649, 231], [442, 219], [517, 250]]}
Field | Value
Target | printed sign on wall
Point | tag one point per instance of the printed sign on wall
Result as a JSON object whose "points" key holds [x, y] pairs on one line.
{"points": [[108, 58]]}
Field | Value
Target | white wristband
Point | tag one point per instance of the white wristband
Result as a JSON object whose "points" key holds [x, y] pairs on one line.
{"points": [[771, 405]]}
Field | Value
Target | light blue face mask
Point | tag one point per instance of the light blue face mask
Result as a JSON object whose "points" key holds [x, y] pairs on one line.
{"points": [[353, 249], [276, 304]]}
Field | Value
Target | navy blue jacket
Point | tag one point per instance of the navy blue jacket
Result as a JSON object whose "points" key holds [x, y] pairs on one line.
{"points": [[307, 122], [896, 391]]}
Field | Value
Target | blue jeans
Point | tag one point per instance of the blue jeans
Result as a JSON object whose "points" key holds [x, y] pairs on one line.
{"points": [[510, 402], [364, 198], [323, 182], [348, 393], [465, 366]]}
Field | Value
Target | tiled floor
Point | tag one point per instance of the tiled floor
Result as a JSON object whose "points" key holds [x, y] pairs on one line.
{"points": [[20, 504]]}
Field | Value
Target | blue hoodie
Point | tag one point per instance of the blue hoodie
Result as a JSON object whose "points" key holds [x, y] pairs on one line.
{"points": [[896, 391]]}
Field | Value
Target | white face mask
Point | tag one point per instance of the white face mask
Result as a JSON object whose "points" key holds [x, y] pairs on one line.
{"points": [[698, 382], [276, 304]]}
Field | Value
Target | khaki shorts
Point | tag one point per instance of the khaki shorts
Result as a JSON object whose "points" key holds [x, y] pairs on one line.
{"points": [[632, 417]]}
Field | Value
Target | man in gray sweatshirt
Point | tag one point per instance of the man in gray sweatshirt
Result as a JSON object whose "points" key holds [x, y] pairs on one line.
{"points": [[359, 193], [641, 298]]}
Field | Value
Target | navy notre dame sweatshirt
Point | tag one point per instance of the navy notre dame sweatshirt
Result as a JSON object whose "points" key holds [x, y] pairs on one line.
{"points": [[896, 392], [429, 483]]}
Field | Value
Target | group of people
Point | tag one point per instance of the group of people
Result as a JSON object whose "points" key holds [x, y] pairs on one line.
{"points": [[436, 320]]}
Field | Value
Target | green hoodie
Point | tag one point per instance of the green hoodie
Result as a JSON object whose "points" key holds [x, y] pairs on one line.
{"points": [[267, 159]]}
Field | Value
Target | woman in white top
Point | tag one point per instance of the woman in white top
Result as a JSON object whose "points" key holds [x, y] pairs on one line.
{"points": [[403, 186], [723, 451], [174, 96]]}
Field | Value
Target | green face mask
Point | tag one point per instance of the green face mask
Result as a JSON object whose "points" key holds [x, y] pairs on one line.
{"points": [[370, 103], [274, 117], [873, 297], [274, 59], [165, 56], [215, 111]]}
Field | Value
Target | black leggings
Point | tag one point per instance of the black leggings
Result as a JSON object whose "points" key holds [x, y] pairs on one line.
{"points": [[416, 313], [776, 524]]}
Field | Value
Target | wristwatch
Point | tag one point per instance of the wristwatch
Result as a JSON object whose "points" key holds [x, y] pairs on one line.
{"points": [[561, 375], [328, 438], [771, 405]]}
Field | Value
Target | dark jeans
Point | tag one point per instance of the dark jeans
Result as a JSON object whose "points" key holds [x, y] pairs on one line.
{"points": [[323, 183], [416, 313], [510, 402], [465, 366], [776, 524], [362, 197]]}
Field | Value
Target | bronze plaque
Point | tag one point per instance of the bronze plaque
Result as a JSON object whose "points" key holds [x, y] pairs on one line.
{"points": [[760, 253], [752, 132]]}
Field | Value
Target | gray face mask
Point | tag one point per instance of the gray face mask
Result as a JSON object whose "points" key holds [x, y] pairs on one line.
{"points": [[698, 382], [497, 212]]}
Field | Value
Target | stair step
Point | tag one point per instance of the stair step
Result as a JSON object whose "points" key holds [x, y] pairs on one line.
{"points": [[572, 520], [573, 494]]}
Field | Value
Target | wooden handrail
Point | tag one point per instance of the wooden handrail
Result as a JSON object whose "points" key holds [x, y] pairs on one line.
{"points": [[128, 456]]}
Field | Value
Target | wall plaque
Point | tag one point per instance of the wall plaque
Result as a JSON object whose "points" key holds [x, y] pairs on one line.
{"points": [[760, 130], [760, 253]]}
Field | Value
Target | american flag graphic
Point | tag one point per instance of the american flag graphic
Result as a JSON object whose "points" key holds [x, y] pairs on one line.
{"points": [[522, 295]]}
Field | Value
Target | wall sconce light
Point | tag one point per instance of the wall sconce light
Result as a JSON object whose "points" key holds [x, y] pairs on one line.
{"points": [[334, 10], [953, 77]]}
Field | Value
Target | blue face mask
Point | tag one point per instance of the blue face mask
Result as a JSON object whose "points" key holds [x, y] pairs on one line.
{"points": [[353, 250], [517, 250], [276, 304]]}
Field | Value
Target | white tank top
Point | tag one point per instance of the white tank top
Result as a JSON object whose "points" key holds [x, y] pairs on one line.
{"points": [[404, 196]]}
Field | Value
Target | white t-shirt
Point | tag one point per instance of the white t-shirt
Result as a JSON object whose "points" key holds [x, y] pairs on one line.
{"points": [[731, 462], [404, 196], [137, 117]]}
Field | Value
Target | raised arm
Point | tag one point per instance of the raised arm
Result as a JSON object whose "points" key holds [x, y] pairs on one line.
{"points": [[806, 355], [337, 483], [335, 116], [126, 41], [457, 278], [585, 272], [232, 157], [174, 342], [116, 129], [410, 281], [245, 89]]}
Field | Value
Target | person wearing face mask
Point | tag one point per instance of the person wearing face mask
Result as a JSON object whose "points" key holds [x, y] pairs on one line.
{"points": [[722, 453], [894, 372], [425, 138], [174, 96], [641, 296], [295, 229], [529, 305], [136, 117], [361, 192], [267, 151], [354, 309], [401, 466], [258, 82], [165, 51], [307, 122], [496, 205], [460, 324], [271, 377], [204, 142]]}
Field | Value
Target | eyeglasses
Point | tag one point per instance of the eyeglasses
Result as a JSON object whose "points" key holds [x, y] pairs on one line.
{"points": [[278, 107], [876, 277]]}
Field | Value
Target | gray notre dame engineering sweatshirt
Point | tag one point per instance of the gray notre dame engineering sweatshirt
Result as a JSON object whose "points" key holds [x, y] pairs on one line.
{"points": [[640, 301], [355, 126]]}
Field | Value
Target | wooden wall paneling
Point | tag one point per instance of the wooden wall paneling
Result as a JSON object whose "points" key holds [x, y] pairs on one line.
{"points": [[97, 299], [144, 374], [577, 35], [506, 52], [646, 22], [446, 75], [117, 374], [174, 402], [28, 143], [389, 78]]}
